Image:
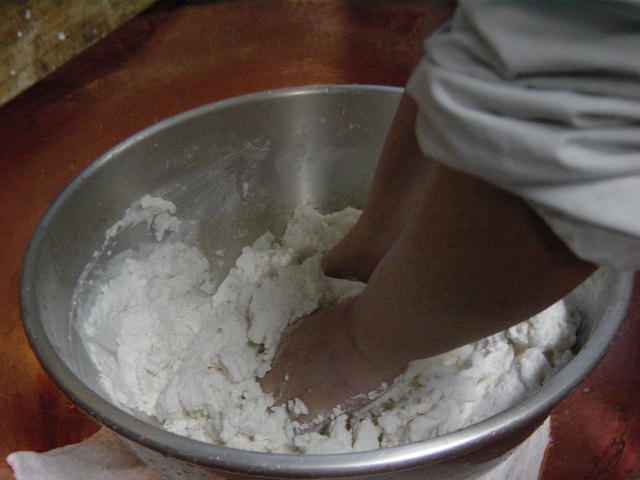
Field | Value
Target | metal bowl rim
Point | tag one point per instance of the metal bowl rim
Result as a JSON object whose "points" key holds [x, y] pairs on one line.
{"points": [[234, 460]]}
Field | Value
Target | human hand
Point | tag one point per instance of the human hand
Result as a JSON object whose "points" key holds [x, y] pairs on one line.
{"points": [[319, 362], [461, 260]]}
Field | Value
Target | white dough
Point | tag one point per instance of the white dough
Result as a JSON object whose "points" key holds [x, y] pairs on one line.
{"points": [[168, 346]]}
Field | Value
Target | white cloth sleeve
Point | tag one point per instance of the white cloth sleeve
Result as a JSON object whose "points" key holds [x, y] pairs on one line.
{"points": [[542, 98]]}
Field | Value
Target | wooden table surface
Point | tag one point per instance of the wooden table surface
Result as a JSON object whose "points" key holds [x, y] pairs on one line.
{"points": [[180, 55], [37, 36]]}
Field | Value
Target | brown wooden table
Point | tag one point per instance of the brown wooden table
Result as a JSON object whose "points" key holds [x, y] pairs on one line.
{"points": [[37, 36], [177, 56]]}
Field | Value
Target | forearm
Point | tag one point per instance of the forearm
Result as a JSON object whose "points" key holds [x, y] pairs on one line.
{"points": [[473, 260], [467, 260]]}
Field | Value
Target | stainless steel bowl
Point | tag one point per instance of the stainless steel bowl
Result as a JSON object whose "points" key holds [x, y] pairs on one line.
{"points": [[241, 166]]}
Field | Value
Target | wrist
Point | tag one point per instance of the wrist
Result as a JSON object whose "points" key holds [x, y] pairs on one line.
{"points": [[378, 353]]}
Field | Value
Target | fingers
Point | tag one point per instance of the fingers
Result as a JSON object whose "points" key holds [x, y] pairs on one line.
{"points": [[319, 364]]}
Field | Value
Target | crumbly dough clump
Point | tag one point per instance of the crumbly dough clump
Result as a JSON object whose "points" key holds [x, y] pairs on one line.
{"points": [[170, 345]]}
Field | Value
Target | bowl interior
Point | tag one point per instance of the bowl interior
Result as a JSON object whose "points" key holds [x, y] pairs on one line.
{"points": [[236, 169]]}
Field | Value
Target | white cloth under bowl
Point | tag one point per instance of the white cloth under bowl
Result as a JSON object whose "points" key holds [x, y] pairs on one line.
{"points": [[102, 457]]}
